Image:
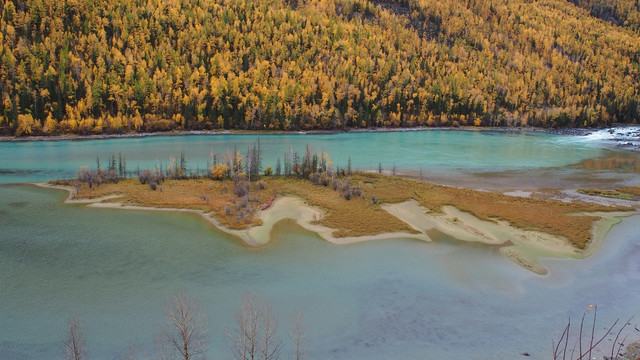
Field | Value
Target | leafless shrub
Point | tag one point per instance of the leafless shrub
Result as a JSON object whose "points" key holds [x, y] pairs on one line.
{"points": [[185, 336], [91, 178], [75, 345], [151, 178], [347, 191], [346, 186], [561, 347], [356, 191], [374, 200], [238, 177], [255, 335], [320, 178], [227, 210], [315, 178], [241, 188], [243, 202], [297, 335]]}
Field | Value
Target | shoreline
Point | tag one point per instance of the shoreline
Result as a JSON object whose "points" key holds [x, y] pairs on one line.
{"points": [[616, 142], [523, 247], [501, 129]]}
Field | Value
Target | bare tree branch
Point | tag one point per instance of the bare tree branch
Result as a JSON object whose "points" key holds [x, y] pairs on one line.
{"points": [[245, 336], [271, 343], [255, 335], [593, 342], [185, 335], [74, 345], [297, 335]]}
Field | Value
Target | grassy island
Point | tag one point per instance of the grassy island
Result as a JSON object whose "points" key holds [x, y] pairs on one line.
{"points": [[359, 206]]}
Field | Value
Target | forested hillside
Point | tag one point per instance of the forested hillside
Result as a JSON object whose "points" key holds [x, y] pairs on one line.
{"points": [[97, 66], [620, 12]]}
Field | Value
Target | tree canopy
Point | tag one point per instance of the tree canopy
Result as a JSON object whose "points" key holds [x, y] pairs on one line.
{"points": [[90, 67]]}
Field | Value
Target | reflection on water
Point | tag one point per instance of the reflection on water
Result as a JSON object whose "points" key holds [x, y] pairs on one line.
{"points": [[622, 162]]}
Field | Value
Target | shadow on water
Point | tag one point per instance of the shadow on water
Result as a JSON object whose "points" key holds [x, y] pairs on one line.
{"points": [[439, 237], [18, 171], [18, 204]]}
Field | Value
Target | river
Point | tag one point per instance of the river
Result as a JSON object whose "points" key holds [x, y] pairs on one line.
{"points": [[116, 270]]}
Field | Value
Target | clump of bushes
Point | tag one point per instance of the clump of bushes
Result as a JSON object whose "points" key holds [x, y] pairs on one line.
{"points": [[219, 171], [96, 177], [152, 178], [320, 179], [241, 188], [345, 187], [242, 203]]}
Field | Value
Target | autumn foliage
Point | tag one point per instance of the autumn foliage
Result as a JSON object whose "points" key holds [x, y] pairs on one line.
{"points": [[91, 67]]}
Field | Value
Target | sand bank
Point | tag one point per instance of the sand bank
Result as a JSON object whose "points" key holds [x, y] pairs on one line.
{"points": [[524, 247]]}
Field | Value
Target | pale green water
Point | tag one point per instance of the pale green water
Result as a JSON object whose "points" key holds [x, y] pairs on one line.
{"points": [[434, 151], [115, 270]]}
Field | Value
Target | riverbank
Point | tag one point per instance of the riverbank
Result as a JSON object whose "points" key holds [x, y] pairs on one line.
{"points": [[501, 129], [74, 137], [388, 207]]}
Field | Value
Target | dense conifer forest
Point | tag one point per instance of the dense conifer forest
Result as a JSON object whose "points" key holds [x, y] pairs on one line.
{"points": [[97, 66]]}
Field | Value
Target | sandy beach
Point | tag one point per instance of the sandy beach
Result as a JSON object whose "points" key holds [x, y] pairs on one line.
{"points": [[524, 247]]}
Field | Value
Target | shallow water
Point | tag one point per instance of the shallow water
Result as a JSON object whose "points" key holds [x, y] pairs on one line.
{"points": [[116, 270]]}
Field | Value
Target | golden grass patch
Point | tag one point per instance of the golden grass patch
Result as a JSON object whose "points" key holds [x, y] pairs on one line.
{"points": [[199, 194], [360, 216], [553, 217], [355, 217], [631, 190]]}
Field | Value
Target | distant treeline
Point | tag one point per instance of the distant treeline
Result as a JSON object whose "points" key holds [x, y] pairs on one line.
{"points": [[92, 67]]}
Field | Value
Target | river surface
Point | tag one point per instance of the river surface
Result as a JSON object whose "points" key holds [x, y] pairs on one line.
{"points": [[115, 270]]}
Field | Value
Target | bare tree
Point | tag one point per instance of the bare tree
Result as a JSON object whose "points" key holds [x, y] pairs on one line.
{"points": [[271, 342], [245, 336], [185, 336], [255, 336], [560, 348], [297, 335], [74, 345]]}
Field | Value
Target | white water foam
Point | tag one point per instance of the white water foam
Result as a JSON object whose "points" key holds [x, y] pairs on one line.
{"points": [[626, 136]]}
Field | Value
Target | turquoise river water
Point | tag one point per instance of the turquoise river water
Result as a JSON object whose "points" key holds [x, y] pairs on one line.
{"points": [[116, 270]]}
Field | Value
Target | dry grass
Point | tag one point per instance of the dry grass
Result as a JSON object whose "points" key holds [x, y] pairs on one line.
{"points": [[554, 217], [614, 194], [355, 217], [358, 216], [631, 190], [199, 194]]}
